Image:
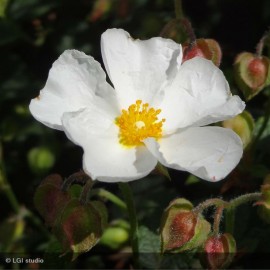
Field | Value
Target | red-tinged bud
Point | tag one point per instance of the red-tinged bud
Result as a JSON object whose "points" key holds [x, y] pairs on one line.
{"points": [[264, 203], [49, 199], [243, 125], [80, 226], [218, 251], [251, 73], [206, 48], [182, 229]]}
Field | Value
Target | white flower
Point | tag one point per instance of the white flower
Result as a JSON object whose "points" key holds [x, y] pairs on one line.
{"points": [[157, 110]]}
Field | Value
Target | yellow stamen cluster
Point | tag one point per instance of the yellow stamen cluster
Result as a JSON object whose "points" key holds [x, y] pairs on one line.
{"points": [[138, 123]]}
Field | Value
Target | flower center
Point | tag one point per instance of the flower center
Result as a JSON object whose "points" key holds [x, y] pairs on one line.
{"points": [[137, 123]]}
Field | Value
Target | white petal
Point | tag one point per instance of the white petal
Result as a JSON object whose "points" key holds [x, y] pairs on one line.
{"points": [[139, 69], [210, 153], [104, 158], [199, 95], [74, 80]]}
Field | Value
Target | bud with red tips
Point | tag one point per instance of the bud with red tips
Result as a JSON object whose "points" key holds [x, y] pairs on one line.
{"points": [[252, 73], [182, 229], [206, 48], [218, 251]]}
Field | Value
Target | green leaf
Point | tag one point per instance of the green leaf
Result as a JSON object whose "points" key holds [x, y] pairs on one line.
{"points": [[52, 258], [149, 248], [75, 191], [258, 126]]}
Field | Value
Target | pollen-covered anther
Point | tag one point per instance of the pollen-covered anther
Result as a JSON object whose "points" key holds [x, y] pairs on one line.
{"points": [[137, 123]]}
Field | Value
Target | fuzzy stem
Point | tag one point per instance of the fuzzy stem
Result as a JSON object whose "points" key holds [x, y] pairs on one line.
{"points": [[244, 199], [230, 210], [109, 196], [261, 43], [128, 197], [259, 47], [79, 177], [209, 203], [84, 197], [179, 14], [217, 220], [190, 32]]}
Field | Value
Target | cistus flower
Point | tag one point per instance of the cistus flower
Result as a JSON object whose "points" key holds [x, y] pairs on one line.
{"points": [[157, 111]]}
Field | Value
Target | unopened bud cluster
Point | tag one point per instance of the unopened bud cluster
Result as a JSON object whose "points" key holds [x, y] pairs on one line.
{"points": [[78, 227], [184, 228]]}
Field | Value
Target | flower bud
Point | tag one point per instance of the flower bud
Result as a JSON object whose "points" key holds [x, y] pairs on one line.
{"points": [[264, 203], [116, 234], [182, 229], [218, 251], [206, 48], [242, 125], [80, 227], [40, 160], [49, 199], [252, 73]]}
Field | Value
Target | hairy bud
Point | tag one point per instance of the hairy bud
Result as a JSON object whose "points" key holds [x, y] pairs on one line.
{"points": [[206, 48], [218, 251], [182, 229], [251, 73]]}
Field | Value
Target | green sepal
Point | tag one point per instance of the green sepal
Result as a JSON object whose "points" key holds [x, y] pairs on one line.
{"points": [[162, 170], [50, 200], [251, 80], [80, 227], [242, 125]]}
